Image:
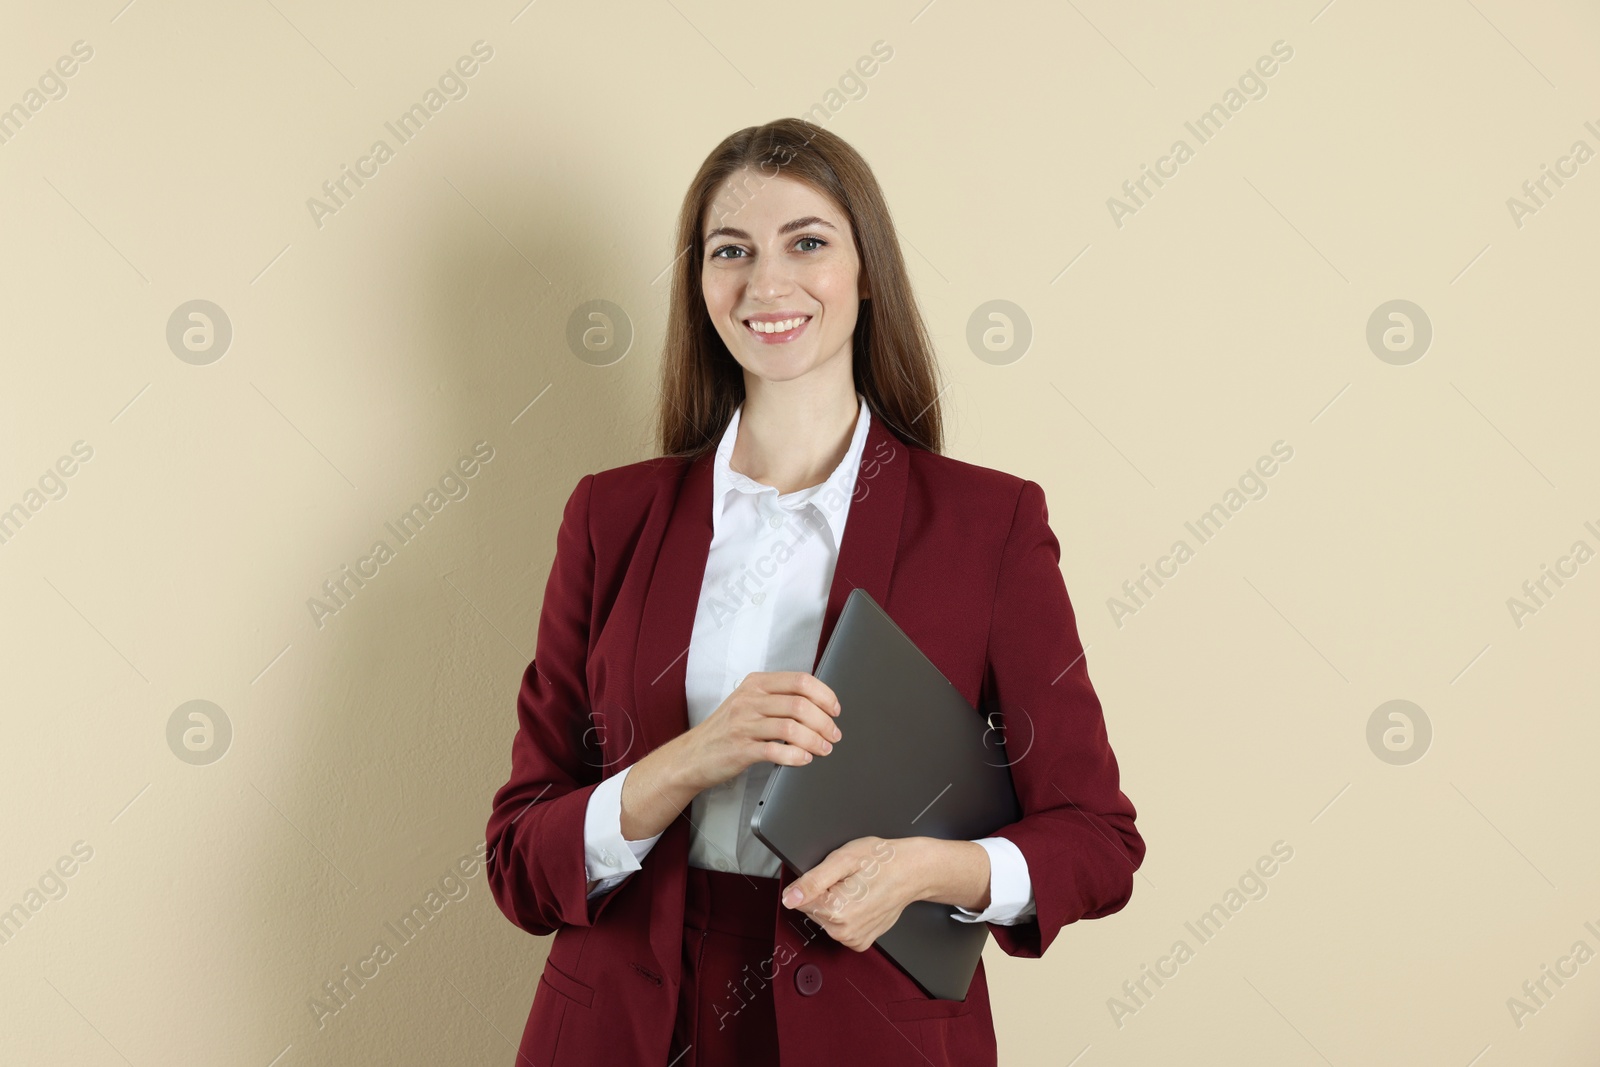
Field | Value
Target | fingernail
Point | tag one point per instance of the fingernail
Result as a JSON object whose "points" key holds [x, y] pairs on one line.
{"points": [[826, 748], [836, 733], [792, 897]]}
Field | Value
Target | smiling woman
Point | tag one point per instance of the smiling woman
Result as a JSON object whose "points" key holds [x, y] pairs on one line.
{"points": [[791, 309], [683, 618], [793, 178]]}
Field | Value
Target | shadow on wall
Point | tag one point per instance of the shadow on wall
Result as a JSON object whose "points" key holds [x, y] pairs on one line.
{"points": [[405, 732]]}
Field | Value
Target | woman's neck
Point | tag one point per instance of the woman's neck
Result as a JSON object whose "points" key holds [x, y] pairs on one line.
{"points": [[792, 439]]}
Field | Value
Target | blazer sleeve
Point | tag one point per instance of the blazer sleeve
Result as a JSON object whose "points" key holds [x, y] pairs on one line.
{"points": [[535, 862], [1077, 830]]}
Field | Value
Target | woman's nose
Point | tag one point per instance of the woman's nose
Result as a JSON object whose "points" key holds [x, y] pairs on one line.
{"points": [[770, 275]]}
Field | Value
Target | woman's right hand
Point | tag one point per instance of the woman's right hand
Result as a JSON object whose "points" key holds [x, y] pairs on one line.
{"points": [[782, 717], [767, 709]]}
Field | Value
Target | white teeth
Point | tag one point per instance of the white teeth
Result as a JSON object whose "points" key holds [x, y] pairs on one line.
{"points": [[776, 327]]}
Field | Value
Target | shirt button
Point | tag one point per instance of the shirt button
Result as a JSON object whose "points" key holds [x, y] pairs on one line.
{"points": [[608, 858], [776, 521], [808, 979], [721, 865], [758, 598]]}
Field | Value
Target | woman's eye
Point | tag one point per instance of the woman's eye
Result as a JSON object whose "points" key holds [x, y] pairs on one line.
{"points": [[735, 252]]}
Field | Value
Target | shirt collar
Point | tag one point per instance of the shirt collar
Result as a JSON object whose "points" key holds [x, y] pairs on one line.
{"points": [[831, 497]]}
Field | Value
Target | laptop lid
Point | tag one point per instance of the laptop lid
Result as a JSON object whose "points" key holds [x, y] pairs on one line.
{"points": [[916, 760]]}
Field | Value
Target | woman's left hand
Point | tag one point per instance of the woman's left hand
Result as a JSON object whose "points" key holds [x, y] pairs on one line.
{"points": [[857, 894]]}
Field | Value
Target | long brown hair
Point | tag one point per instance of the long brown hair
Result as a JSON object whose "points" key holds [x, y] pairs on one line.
{"points": [[701, 382]]}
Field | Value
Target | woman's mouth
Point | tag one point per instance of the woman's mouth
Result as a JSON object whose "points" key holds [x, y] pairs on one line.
{"points": [[777, 331]]}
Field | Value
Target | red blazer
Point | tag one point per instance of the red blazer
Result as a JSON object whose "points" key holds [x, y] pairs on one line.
{"points": [[963, 558]]}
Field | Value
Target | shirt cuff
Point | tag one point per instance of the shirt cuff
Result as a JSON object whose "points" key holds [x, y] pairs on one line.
{"points": [[608, 857], [1010, 888]]}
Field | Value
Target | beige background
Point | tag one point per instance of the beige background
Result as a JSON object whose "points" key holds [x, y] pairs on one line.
{"points": [[430, 312]]}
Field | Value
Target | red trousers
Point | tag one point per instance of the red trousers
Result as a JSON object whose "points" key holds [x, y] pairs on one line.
{"points": [[725, 1008]]}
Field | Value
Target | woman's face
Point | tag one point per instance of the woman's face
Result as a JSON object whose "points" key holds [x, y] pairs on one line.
{"points": [[779, 252]]}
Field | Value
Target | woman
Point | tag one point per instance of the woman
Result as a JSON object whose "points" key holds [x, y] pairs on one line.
{"points": [[689, 600]]}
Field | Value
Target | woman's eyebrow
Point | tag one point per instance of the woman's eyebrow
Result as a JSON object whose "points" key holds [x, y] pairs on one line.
{"points": [[788, 227]]}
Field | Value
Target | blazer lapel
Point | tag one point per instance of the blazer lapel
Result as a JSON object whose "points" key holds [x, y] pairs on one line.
{"points": [[872, 527], [667, 621]]}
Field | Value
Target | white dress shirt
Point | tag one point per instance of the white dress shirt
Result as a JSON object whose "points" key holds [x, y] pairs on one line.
{"points": [[766, 585]]}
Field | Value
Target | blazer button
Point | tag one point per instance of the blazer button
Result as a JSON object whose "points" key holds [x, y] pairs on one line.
{"points": [[808, 979]]}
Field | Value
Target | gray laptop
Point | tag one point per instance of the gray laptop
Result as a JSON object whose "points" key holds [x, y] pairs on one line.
{"points": [[916, 761]]}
